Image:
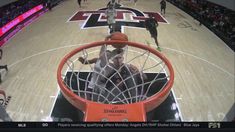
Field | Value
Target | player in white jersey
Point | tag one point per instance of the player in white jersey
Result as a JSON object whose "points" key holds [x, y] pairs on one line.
{"points": [[111, 14], [96, 83]]}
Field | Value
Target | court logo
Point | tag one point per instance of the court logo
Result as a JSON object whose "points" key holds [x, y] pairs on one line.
{"points": [[127, 17]]}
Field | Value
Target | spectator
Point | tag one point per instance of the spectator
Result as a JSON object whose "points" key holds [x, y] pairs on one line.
{"points": [[49, 5], [3, 113], [217, 18]]}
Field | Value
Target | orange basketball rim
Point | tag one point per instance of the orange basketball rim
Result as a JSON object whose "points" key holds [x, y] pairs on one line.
{"points": [[132, 112]]}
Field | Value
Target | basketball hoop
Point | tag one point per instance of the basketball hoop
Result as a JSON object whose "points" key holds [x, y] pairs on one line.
{"points": [[128, 99]]}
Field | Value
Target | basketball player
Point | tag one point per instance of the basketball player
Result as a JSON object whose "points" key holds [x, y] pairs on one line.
{"points": [[79, 3], [163, 6], [2, 67], [126, 77], [111, 14], [96, 83], [100, 68], [111, 2], [135, 1], [114, 3], [151, 25]]}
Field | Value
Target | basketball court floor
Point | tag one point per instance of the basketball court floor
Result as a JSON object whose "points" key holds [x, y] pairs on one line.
{"points": [[203, 64]]}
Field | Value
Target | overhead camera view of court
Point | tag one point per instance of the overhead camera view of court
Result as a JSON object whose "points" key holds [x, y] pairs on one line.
{"points": [[117, 60]]}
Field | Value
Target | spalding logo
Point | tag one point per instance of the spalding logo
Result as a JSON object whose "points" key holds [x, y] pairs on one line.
{"points": [[115, 110]]}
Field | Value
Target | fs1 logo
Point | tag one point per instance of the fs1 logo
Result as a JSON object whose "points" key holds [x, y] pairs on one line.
{"points": [[98, 19], [213, 125]]}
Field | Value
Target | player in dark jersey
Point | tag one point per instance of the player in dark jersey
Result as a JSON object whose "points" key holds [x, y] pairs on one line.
{"points": [[163, 6], [151, 25], [79, 3], [127, 78], [49, 5]]}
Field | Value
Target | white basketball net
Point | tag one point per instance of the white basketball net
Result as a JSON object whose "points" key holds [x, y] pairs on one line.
{"points": [[105, 82]]}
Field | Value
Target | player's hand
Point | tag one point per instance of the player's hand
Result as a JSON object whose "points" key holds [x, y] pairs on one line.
{"points": [[133, 68], [107, 38], [81, 59]]}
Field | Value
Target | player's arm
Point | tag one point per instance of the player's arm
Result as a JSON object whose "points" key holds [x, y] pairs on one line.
{"points": [[102, 50], [108, 37], [84, 61], [135, 70], [108, 4], [108, 72], [156, 23], [115, 13]]}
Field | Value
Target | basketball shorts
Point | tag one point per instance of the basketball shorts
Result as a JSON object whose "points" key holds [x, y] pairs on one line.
{"points": [[153, 33]]}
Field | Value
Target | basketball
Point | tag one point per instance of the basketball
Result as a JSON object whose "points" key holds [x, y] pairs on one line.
{"points": [[119, 36]]}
